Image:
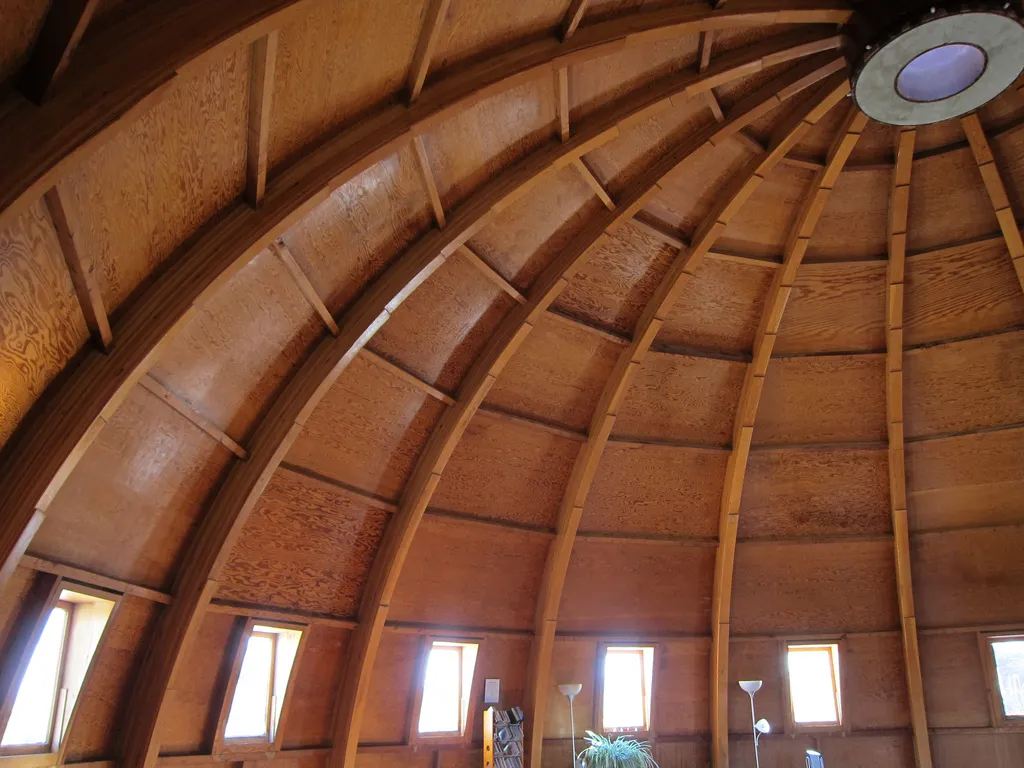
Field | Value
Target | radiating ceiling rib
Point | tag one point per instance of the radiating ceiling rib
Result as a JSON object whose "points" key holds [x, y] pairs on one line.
{"points": [[743, 428]]}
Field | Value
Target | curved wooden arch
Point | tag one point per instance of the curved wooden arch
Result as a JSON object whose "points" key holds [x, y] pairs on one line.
{"points": [[212, 543], [38, 144], [513, 331], [736, 194], [52, 438], [743, 427]]}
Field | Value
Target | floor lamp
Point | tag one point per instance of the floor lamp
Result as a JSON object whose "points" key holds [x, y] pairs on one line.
{"points": [[760, 726], [571, 690]]}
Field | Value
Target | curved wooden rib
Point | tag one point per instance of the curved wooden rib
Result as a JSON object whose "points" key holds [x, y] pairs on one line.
{"points": [[398, 539], [628, 363], [196, 582], [52, 438], [743, 428], [101, 92], [996, 191], [899, 200]]}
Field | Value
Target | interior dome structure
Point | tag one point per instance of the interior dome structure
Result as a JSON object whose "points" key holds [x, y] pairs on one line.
{"points": [[424, 383]]}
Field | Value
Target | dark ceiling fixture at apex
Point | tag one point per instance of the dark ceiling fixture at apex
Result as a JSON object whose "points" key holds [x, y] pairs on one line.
{"points": [[918, 63]]}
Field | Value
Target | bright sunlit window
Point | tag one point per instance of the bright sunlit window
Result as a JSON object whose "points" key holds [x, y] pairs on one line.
{"points": [[447, 685], [55, 672], [262, 683], [1009, 657], [626, 696], [814, 683]]}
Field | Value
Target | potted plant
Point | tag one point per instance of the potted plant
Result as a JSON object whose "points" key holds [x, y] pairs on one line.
{"points": [[623, 752]]}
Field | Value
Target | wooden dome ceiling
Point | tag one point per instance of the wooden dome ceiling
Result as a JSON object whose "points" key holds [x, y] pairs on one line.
{"points": [[550, 323]]}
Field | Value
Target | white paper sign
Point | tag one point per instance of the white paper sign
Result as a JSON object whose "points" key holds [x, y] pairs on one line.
{"points": [[491, 690]]}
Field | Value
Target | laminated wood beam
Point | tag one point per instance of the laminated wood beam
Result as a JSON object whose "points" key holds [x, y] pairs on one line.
{"points": [[134, 71], [573, 17], [261, 93], [996, 191], [510, 335], [211, 544], [49, 442], [426, 46], [615, 390], [82, 270], [562, 93], [894, 285], [743, 426], [65, 23]]}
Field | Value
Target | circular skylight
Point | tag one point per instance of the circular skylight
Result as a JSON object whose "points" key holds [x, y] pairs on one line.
{"points": [[941, 72], [942, 68]]}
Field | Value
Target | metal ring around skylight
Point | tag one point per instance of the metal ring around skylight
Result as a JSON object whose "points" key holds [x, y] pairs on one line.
{"points": [[940, 50]]}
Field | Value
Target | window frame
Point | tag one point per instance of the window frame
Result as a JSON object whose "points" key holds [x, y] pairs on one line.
{"points": [[475, 693], [648, 731], [273, 740], [991, 672], [19, 644], [838, 689]]}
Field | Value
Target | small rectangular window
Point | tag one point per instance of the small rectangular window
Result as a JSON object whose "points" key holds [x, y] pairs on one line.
{"points": [[447, 686], [1008, 653], [814, 683], [626, 693], [55, 672], [262, 683]]}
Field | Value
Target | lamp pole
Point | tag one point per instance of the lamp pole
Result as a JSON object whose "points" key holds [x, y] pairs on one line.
{"points": [[570, 690], [751, 687]]}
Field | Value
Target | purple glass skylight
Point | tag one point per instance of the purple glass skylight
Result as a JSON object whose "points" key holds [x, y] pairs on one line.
{"points": [[941, 72]]}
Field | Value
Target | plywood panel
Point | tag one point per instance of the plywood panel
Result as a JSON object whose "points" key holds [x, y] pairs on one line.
{"points": [[128, 508], [41, 323], [719, 308], [402, 759], [952, 750], [777, 752], [654, 489], [961, 291], [968, 577], [142, 193], [967, 385], [232, 357], [95, 730], [1008, 148], [322, 78], [688, 194], [869, 751], [637, 147], [368, 430], [822, 492], [954, 681], [440, 330], [571, 661], [470, 574], [507, 470], [756, 660], [507, 659], [190, 709], [12, 597], [821, 587], [835, 308], [682, 754], [874, 145], [853, 224], [616, 282], [391, 693], [523, 239], [306, 545], [621, 586], [594, 83], [763, 224], [22, 21], [678, 397], [967, 480], [874, 682], [475, 26], [478, 142], [823, 399], [947, 202], [317, 679], [557, 374], [350, 238], [681, 690]]}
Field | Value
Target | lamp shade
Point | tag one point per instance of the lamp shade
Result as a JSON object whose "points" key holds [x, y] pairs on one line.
{"points": [[570, 689], [750, 686]]}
